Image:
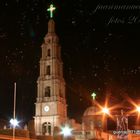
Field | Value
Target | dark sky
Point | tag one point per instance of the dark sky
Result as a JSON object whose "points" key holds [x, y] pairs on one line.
{"points": [[100, 51]]}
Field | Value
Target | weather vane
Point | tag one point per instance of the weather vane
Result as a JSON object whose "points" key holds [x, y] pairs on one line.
{"points": [[93, 95], [51, 10]]}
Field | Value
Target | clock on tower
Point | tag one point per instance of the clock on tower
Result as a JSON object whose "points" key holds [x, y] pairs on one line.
{"points": [[46, 108]]}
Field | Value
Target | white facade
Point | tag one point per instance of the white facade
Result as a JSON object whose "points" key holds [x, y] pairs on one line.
{"points": [[50, 106]]}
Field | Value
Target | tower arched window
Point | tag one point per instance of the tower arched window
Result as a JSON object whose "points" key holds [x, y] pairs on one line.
{"points": [[48, 52], [49, 128], [48, 71], [46, 128], [47, 91]]}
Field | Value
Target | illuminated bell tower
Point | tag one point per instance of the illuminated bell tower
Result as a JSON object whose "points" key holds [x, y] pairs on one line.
{"points": [[50, 106]]}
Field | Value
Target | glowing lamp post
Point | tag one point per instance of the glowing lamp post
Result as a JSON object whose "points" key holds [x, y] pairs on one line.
{"points": [[105, 110], [138, 109], [14, 122], [66, 131]]}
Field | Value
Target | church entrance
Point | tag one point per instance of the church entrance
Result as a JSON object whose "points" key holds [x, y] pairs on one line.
{"points": [[46, 128]]}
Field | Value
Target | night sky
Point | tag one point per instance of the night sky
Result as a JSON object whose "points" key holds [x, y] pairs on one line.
{"points": [[98, 55]]}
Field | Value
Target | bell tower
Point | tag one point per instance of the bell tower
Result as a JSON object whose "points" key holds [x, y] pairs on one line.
{"points": [[50, 106]]}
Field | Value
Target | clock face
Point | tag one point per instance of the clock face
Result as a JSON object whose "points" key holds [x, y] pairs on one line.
{"points": [[46, 108]]}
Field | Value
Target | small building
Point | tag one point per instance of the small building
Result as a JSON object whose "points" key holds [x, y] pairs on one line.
{"points": [[93, 126]]}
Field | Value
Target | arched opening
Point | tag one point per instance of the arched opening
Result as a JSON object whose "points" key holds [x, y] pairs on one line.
{"points": [[48, 71], [49, 128], [46, 128], [48, 52], [47, 91]]}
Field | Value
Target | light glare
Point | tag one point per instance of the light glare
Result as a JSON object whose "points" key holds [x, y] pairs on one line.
{"points": [[66, 131], [14, 122], [105, 110], [138, 109]]}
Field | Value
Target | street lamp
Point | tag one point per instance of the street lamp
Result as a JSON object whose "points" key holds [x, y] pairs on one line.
{"points": [[14, 122], [66, 131], [105, 110], [138, 109]]}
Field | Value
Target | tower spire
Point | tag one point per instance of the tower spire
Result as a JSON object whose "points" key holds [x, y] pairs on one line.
{"points": [[51, 26]]}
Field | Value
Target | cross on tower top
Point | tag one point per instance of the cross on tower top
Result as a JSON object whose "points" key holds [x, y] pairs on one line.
{"points": [[51, 10]]}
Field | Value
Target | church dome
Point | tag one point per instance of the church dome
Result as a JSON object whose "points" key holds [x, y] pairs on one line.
{"points": [[91, 111]]}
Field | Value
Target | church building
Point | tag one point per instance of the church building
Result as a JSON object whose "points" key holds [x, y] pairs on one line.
{"points": [[50, 106]]}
